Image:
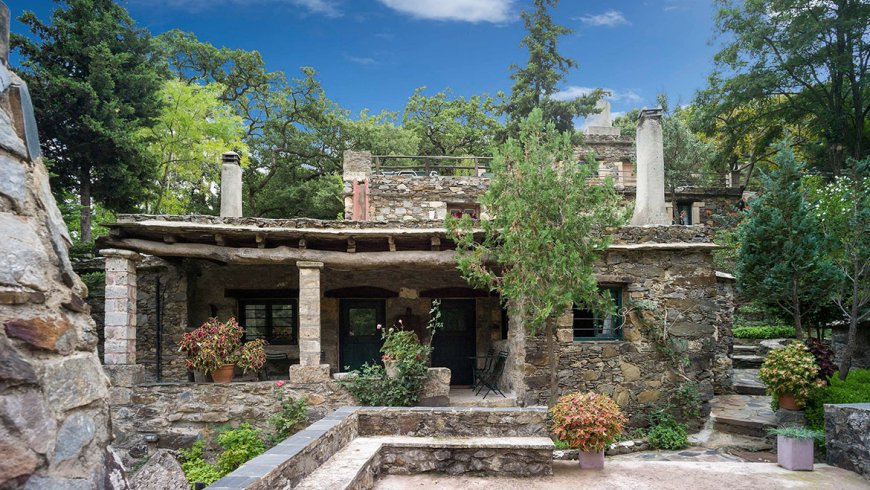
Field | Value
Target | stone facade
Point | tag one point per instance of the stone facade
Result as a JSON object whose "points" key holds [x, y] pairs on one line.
{"points": [[408, 198], [54, 413], [861, 354], [847, 437]]}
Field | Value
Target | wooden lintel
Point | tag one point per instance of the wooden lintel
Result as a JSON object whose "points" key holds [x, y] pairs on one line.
{"points": [[436, 244], [351, 245], [261, 240], [392, 242], [168, 238], [219, 239]]}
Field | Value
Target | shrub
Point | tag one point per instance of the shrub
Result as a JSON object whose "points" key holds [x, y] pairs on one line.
{"points": [[239, 446], [587, 421], [370, 386], [215, 344], [791, 369], [764, 332], [196, 468], [666, 432], [687, 399], [824, 358], [293, 414], [855, 389], [797, 433]]}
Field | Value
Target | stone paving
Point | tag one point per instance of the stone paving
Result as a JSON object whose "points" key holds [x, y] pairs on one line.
{"points": [[623, 472], [465, 397], [742, 414], [746, 382]]}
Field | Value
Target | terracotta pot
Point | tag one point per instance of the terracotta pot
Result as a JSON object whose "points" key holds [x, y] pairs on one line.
{"points": [[787, 401], [794, 454], [591, 461], [224, 374]]}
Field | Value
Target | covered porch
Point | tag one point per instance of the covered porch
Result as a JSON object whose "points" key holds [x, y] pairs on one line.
{"points": [[314, 290]]}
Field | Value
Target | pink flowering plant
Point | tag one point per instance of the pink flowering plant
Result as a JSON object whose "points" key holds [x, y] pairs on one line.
{"points": [[216, 344], [292, 416], [793, 370], [587, 421]]}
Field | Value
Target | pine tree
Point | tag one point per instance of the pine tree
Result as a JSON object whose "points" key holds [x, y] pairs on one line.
{"points": [[783, 259], [94, 87]]}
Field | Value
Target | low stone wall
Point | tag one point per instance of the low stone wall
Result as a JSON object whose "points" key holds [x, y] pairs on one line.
{"points": [[839, 340], [847, 436], [408, 198], [516, 460], [454, 422]]}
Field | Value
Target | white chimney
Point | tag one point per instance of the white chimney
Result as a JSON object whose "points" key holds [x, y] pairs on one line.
{"points": [[231, 185], [649, 204]]}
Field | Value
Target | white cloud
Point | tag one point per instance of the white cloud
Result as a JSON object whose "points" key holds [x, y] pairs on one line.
{"points": [[328, 8], [361, 60], [574, 91], [457, 10], [611, 18]]}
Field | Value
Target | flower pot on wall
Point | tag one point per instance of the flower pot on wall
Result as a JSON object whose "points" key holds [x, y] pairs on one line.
{"points": [[224, 374], [794, 454], [592, 461], [787, 401]]}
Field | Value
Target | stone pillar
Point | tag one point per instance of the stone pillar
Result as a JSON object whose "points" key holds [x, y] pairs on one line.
{"points": [[649, 205], [120, 320], [357, 167], [309, 369], [231, 185]]}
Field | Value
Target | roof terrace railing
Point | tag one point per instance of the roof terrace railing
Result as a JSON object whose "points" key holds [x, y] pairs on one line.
{"points": [[422, 166]]}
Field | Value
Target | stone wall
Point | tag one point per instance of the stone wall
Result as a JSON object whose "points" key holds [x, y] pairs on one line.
{"points": [[861, 354], [180, 413], [54, 413], [847, 437], [631, 370], [408, 198], [454, 422]]}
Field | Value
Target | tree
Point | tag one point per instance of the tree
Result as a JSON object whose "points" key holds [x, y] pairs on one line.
{"points": [[547, 231], [843, 209], [94, 87], [187, 138], [452, 126], [794, 59], [536, 84], [782, 258]]}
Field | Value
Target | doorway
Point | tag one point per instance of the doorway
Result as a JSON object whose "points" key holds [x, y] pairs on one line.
{"points": [[456, 344], [359, 339]]}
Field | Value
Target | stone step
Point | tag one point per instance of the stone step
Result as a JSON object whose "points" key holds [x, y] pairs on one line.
{"points": [[745, 349], [748, 415], [746, 382], [747, 361]]}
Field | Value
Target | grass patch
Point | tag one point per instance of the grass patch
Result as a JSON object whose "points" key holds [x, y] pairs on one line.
{"points": [[764, 332], [855, 389]]}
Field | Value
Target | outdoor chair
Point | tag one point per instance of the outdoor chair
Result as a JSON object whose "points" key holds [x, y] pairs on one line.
{"points": [[479, 373], [491, 379]]}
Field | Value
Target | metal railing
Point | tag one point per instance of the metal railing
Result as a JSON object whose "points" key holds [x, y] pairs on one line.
{"points": [[430, 166]]}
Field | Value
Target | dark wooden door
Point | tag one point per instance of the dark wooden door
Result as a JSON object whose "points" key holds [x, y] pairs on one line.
{"points": [[456, 343], [360, 340]]}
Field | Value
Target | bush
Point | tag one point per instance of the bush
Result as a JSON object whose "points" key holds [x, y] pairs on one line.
{"points": [[196, 468], [791, 369], [239, 446], [855, 389], [293, 414], [824, 358], [370, 385], [666, 432], [587, 421], [764, 332]]}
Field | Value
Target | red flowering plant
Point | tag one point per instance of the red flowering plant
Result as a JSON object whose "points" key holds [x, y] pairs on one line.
{"points": [[792, 370], [587, 421], [216, 344]]}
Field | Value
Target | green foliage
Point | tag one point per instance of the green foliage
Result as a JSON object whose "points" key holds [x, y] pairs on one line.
{"points": [[195, 467], [782, 258], [793, 370], [536, 85], [764, 332], [665, 432], [855, 389], [587, 421], [187, 138], [656, 323], [452, 126], [685, 154], [293, 415], [94, 280], [797, 433], [370, 386], [94, 86], [239, 445], [687, 399]]}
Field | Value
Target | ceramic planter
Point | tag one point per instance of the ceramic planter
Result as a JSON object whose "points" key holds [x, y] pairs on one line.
{"points": [[787, 401], [592, 461], [794, 454], [224, 374]]}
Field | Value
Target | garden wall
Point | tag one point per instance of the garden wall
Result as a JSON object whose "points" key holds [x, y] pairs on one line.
{"points": [[861, 354], [847, 436], [408, 198]]}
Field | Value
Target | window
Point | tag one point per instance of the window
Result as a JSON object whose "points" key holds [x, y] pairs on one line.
{"points": [[458, 210], [588, 326], [271, 319], [684, 213]]}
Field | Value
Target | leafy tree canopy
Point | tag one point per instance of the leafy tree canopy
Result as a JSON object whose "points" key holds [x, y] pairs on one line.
{"points": [[448, 125]]}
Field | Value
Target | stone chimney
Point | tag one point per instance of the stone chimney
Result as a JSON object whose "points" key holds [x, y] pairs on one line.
{"points": [[649, 205], [231, 185], [600, 124]]}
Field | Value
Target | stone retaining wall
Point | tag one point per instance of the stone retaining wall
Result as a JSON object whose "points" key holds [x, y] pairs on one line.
{"points": [[511, 462], [454, 422], [847, 436], [861, 354]]}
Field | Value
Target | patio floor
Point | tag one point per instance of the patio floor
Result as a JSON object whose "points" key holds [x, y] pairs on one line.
{"points": [[465, 397]]}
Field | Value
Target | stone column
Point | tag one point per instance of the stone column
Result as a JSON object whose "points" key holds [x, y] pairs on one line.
{"points": [[309, 368], [231, 185], [649, 205], [120, 319]]}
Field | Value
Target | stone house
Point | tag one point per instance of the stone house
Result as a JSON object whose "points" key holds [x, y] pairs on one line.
{"points": [[315, 290]]}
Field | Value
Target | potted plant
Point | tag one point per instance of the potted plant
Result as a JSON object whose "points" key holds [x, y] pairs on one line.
{"points": [[794, 447], [401, 349], [216, 348], [588, 422], [790, 374]]}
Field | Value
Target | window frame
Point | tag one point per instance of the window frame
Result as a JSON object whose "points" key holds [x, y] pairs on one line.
{"points": [[269, 303], [617, 291]]}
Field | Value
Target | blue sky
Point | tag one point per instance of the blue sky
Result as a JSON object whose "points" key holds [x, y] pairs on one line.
{"points": [[374, 53]]}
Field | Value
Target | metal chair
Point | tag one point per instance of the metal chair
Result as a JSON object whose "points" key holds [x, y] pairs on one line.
{"points": [[487, 365], [490, 380]]}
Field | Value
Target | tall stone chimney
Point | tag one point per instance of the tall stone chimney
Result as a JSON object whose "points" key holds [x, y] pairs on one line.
{"points": [[231, 185], [649, 205]]}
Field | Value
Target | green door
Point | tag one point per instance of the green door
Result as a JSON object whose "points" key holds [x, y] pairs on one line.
{"points": [[360, 340], [455, 344]]}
